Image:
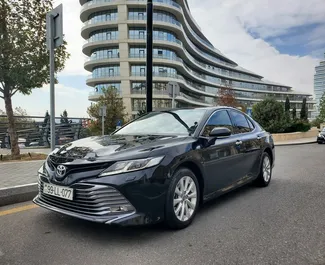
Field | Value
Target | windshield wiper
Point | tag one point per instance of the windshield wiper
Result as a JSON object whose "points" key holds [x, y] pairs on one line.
{"points": [[190, 130]]}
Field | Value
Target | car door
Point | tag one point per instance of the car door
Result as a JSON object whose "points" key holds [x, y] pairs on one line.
{"points": [[221, 157], [245, 132]]}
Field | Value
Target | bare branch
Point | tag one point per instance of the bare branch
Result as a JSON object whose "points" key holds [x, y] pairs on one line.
{"points": [[2, 86], [14, 92]]}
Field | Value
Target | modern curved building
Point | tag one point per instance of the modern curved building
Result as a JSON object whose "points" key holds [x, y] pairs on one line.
{"points": [[115, 35]]}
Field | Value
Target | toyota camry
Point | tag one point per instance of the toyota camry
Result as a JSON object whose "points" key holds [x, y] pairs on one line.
{"points": [[158, 168]]}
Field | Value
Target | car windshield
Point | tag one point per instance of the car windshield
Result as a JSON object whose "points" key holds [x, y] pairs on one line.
{"points": [[174, 122]]}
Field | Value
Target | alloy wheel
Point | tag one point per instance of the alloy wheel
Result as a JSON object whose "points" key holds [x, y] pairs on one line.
{"points": [[185, 198], [266, 169]]}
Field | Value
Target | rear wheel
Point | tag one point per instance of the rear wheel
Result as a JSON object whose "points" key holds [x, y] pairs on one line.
{"points": [[182, 199], [265, 175]]}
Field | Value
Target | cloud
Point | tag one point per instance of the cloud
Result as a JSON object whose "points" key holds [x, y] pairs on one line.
{"points": [[240, 29], [71, 28], [74, 100]]}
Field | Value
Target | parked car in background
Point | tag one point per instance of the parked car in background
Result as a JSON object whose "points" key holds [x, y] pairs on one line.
{"points": [[321, 136], [159, 167]]}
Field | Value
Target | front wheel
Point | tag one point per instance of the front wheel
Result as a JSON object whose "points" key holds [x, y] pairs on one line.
{"points": [[182, 199], [264, 177]]}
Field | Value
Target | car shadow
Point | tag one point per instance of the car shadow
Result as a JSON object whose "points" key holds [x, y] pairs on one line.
{"points": [[226, 198]]}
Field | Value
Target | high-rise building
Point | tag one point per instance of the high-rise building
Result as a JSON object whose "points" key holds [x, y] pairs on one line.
{"points": [[319, 85], [115, 34]]}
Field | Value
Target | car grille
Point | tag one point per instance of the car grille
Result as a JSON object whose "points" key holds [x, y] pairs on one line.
{"points": [[90, 199], [53, 162]]}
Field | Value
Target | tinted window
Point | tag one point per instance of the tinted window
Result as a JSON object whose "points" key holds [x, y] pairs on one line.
{"points": [[174, 122], [218, 119], [251, 125], [240, 122]]}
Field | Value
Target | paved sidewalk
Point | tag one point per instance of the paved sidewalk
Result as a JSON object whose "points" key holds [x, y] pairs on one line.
{"points": [[18, 173]]}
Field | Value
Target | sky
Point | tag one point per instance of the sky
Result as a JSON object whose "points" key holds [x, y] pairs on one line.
{"points": [[282, 40]]}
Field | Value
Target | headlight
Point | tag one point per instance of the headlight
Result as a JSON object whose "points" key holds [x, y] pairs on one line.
{"points": [[42, 170], [319, 135], [131, 165]]}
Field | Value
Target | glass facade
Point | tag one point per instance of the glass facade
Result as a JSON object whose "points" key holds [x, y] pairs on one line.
{"points": [[103, 53], [98, 89], [141, 14], [159, 88], [141, 52], [163, 71], [140, 104], [102, 16], [319, 85], [103, 34], [106, 71]]}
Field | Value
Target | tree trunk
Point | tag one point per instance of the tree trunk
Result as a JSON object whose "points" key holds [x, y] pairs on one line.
{"points": [[15, 152]]}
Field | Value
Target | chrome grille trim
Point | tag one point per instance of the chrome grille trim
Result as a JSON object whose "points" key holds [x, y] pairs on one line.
{"points": [[89, 199]]}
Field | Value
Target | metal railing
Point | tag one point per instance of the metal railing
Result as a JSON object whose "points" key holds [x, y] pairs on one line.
{"points": [[34, 131]]}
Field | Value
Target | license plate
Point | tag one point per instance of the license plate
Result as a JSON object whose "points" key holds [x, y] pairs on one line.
{"points": [[58, 191]]}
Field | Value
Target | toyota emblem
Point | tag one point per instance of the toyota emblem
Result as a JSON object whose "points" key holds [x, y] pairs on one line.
{"points": [[61, 170]]}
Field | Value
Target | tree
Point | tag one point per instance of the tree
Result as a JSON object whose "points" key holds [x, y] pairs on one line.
{"points": [[226, 97], [141, 112], [24, 59], [294, 113], [304, 110], [287, 105], [270, 114], [114, 111], [64, 117]]}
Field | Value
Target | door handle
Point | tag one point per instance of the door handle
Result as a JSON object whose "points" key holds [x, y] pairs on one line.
{"points": [[238, 142]]}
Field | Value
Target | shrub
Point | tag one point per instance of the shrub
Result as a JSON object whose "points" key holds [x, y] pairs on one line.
{"points": [[269, 113], [299, 126]]}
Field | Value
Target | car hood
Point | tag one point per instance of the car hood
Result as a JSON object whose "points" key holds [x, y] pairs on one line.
{"points": [[115, 147]]}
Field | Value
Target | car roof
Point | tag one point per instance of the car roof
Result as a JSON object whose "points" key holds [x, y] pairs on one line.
{"points": [[210, 109]]}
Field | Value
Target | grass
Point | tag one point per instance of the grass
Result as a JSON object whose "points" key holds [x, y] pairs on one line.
{"points": [[23, 157]]}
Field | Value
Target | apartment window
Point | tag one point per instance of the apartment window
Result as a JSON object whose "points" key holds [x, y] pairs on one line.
{"points": [[160, 53], [142, 71], [141, 34], [140, 16], [142, 53]]}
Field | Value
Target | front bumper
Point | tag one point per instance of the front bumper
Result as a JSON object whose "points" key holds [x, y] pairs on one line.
{"points": [[320, 139], [127, 199], [118, 219]]}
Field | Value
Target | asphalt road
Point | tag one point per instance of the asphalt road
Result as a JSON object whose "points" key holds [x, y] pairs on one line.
{"points": [[281, 224]]}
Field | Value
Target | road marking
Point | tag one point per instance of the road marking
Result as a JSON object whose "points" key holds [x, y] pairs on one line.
{"points": [[18, 209]]}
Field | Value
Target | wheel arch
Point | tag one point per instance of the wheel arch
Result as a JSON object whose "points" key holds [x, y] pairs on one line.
{"points": [[195, 168], [268, 150]]}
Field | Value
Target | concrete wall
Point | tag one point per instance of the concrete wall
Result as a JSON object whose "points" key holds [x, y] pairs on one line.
{"points": [[296, 135]]}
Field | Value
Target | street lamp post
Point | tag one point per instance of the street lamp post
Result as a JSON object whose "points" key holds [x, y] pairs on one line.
{"points": [[149, 54]]}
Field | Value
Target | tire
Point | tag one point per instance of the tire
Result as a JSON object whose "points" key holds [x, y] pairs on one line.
{"points": [[185, 199], [264, 180]]}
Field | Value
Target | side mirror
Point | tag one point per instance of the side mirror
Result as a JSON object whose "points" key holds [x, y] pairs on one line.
{"points": [[220, 132]]}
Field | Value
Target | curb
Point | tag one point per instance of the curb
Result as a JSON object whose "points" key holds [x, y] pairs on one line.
{"points": [[288, 144], [16, 194]]}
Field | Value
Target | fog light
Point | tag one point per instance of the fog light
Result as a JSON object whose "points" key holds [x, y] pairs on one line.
{"points": [[121, 208]]}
